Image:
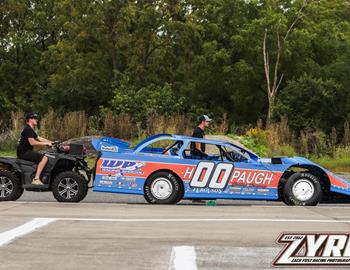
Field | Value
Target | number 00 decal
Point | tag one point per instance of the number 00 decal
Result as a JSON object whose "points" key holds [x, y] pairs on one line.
{"points": [[208, 172]]}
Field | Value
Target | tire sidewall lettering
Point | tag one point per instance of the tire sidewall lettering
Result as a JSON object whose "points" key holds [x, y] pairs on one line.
{"points": [[289, 197], [174, 182]]}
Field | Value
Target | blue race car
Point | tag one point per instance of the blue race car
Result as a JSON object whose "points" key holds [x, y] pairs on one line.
{"points": [[164, 169]]}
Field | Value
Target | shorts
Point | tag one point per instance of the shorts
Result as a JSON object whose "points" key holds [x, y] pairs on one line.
{"points": [[32, 156]]}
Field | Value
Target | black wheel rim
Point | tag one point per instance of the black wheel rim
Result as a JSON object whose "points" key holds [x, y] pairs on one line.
{"points": [[6, 187], [68, 188]]}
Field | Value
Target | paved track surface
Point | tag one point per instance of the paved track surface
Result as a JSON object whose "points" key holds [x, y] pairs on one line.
{"points": [[109, 231]]}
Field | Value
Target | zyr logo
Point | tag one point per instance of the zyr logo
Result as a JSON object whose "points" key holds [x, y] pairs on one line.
{"points": [[322, 249]]}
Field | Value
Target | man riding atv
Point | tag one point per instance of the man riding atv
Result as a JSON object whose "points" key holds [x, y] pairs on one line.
{"points": [[26, 143], [62, 168]]}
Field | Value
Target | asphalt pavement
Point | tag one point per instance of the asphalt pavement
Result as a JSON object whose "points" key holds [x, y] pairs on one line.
{"points": [[111, 231]]}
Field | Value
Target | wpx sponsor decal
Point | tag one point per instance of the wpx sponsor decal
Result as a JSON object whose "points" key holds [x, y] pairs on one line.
{"points": [[109, 148], [113, 165], [321, 249]]}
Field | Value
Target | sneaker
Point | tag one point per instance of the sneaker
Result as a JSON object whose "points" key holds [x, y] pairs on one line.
{"points": [[37, 182]]}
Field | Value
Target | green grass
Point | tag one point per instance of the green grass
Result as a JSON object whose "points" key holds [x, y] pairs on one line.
{"points": [[7, 153], [338, 164]]}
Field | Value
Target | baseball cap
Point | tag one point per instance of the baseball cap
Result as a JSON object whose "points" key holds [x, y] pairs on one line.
{"points": [[32, 115], [204, 117]]}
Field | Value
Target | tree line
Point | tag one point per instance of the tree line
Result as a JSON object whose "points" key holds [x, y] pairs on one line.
{"points": [[248, 59]]}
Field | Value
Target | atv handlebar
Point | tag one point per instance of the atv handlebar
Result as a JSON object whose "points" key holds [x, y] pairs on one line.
{"points": [[55, 145]]}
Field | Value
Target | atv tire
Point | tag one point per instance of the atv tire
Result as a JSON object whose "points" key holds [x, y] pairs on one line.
{"points": [[10, 186], [69, 187]]}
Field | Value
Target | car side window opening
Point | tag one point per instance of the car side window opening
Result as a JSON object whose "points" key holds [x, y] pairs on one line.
{"points": [[212, 152], [234, 154], [163, 147]]}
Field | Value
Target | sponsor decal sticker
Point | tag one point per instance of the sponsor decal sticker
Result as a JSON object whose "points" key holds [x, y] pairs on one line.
{"points": [[252, 178], [321, 249], [132, 184], [205, 190], [106, 182], [263, 190], [109, 148], [109, 177], [114, 165], [265, 160], [131, 179]]}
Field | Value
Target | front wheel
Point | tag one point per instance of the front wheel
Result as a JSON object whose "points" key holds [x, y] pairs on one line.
{"points": [[69, 187], [302, 189], [163, 188], [10, 186]]}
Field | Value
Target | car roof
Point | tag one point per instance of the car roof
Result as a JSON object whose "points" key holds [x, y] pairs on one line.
{"points": [[182, 138], [192, 139]]}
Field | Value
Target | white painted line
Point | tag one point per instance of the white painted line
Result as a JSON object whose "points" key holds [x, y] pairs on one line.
{"points": [[340, 206], [30, 226], [72, 204], [344, 206], [206, 220], [183, 258]]}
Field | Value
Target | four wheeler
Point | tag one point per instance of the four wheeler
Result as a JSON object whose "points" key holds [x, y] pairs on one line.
{"points": [[66, 174]]}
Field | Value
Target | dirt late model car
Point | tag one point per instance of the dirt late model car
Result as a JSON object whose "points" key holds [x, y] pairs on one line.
{"points": [[165, 170]]}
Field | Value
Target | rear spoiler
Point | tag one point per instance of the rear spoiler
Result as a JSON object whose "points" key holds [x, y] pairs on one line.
{"points": [[108, 144]]}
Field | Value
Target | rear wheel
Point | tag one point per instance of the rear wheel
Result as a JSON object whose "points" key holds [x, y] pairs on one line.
{"points": [[163, 188], [302, 189], [69, 187], [10, 186]]}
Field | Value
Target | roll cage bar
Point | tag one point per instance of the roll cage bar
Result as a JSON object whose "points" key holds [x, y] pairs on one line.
{"points": [[186, 140]]}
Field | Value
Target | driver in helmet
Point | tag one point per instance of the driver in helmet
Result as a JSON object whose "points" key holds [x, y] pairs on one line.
{"points": [[26, 143]]}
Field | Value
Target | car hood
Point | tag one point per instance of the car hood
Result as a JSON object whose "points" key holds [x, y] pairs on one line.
{"points": [[338, 184]]}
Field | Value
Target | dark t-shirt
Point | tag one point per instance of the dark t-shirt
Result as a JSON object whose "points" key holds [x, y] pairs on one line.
{"points": [[198, 133], [23, 143]]}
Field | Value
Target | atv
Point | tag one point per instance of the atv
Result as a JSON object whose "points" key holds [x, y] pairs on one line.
{"points": [[66, 174]]}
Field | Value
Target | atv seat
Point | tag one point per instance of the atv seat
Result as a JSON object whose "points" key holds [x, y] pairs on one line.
{"points": [[26, 162]]}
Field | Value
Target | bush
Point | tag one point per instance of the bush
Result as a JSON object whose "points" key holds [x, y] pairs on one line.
{"points": [[314, 143], [118, 125], [70, 125], [276, 140], [10, 135], [255, 145], [147, 101], [176, 124], [308, 103]]}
